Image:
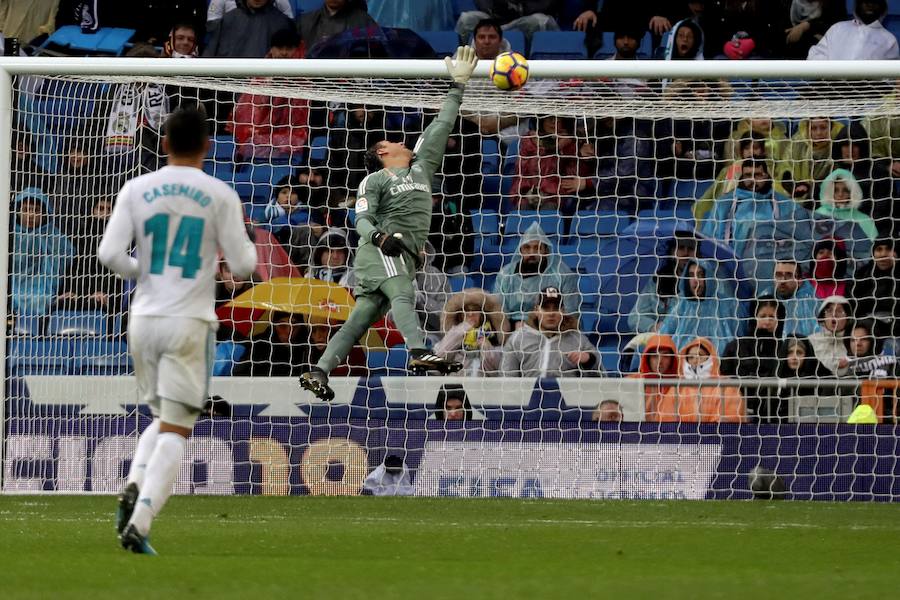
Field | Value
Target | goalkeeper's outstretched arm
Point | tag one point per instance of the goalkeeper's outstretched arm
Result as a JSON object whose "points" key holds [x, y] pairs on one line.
{"points": [[429, 150]]}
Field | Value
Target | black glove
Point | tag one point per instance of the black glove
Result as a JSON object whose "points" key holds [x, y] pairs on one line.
{"points": [[389, 245]]}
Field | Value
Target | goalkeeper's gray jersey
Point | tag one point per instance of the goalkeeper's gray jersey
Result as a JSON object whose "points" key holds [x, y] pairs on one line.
{"points": [[399, 200]]}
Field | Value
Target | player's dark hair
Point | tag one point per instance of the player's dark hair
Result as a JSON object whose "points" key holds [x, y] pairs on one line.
{"points": [[492, 23], [187, 131], [373, 161]]}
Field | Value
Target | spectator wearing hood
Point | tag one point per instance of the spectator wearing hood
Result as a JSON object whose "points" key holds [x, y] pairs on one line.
{"points": [[549, 344], [810, 156], [861, 38], [535, 267], [334, 17], [852, 151], [659, 293], [809, 20], [658, 361], [452, 403], [840, 199], [704, 404], [829, 269], [217, 9], [706, 307], [264, 126], [756, 355], [829, 341], [685, 41], [796, 361], [331, 259], [867, 357], [40, 255], [875, 290], [390, 478], [246, 31], [475, 329], [797, 296], [755, 221]]}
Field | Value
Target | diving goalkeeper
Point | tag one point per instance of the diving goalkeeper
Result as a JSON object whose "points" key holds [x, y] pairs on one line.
{"points": [[393, 216]]}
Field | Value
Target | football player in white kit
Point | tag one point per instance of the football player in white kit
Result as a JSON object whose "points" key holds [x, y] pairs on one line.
{"points": [[178, 220]]}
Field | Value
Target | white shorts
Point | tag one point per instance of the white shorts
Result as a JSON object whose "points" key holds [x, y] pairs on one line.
{"points": [[173, 360]]}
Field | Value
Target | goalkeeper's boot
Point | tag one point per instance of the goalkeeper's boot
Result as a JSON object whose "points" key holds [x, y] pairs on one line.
{"points": [[423, 361], [316, 381], [126, 506], [135, 542]]}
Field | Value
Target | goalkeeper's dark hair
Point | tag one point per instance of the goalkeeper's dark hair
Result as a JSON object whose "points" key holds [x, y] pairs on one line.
{"points": [[373, 161], [187, 131]]}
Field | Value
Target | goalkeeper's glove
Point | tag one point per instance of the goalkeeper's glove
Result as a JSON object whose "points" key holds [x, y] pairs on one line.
{"points": [[462, 64], [390, 244]]}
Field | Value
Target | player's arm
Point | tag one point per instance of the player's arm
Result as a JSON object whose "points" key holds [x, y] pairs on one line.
{"points": [[433, 141], [368, 197], [239, 250], [114, 248]]}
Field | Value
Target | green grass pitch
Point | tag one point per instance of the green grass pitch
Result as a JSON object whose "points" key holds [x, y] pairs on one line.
{"points": [[260, 547]]}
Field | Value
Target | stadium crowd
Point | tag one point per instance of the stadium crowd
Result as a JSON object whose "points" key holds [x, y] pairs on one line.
{"points": [[529, 268]]}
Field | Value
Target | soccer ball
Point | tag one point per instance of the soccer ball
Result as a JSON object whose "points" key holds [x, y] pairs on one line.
{"points": [[509, 71]]}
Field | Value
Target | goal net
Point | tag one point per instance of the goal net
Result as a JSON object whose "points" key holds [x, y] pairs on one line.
{"points": [[659, 284]]}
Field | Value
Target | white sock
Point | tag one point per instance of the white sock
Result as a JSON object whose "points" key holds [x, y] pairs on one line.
{"points": [[161, 473], [145, 445]]}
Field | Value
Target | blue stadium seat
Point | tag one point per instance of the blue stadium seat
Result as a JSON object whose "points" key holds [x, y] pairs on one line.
{"points": [[490, 156], [487, 223], [457, 282], [78, 323], [49, 356], [221, 148], [28, 325], [893, 7], [107, 40], [227, 356], [318, 150], [588, 223], [220, 169], [460, 6], [892, 24], [550, 221], [102, 357], [558, 45], [391, 361], [609, 356], [444, 43], [691, 189], [305, 6], [516, 40]]}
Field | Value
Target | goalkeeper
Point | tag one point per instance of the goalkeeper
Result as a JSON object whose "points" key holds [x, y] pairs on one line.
{"points": [[393, 216]]}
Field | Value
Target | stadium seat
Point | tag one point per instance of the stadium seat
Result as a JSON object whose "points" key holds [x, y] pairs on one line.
{"points": [[460, 6], [305, 6], [558, 45], [457, 282], [589, 223], [28, 325], [691, 189], [516, 224], [609, 356], [78, 323], [219, 169], [893, 7], [318, 150], [30, 356], [391, 362], [892, 24], [516, 40], [107, 40], [444, 43], [222, 148], [228, 354], [102, 357]]}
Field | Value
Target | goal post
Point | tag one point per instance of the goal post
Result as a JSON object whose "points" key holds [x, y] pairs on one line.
{"points": [[70, 419]]}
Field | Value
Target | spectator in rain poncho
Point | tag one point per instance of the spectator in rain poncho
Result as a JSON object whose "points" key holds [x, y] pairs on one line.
{"points": [[706, 307], [40, 255], [535, 267], [757, 221], [841, 197], [390, 478]]}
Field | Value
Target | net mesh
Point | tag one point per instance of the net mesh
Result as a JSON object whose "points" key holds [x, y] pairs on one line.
{"points": [[662, 211]]}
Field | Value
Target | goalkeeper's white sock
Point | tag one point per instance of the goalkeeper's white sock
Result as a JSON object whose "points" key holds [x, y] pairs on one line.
{"points": [[146, 444], [161, 473]]}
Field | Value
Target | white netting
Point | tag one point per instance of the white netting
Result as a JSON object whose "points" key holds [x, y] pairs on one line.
{"points": [[624, 182]]}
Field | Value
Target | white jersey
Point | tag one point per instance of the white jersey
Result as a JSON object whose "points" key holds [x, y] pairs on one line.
{"points": [[178, 218]]}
